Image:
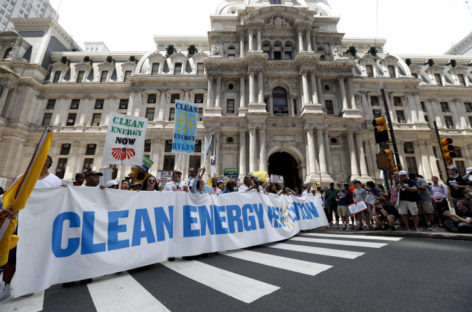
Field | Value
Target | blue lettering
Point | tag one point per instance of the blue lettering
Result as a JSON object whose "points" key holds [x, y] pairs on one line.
{"points": [[273, 216], [58, 227], [114, 228], [305, 212], [249, 220], [189, 220], [142, 218], [163, 221], [312, 208], [88, 247], [294, 208], [259, 209], [206, 220], [234, 215], [219, 220]]}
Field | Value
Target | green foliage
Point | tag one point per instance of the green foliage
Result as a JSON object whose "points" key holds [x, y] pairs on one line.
{"points": [[170, 50]]}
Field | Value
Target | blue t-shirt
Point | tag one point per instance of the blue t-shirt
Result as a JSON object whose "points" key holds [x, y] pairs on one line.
{"points": [[344, 201]]}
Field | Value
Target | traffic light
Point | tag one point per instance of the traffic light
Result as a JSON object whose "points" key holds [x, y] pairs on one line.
{"points": [[390, 159], [447, 150], [381, 130]]}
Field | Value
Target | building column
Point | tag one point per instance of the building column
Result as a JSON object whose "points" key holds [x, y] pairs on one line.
{"points": [[218, 93], [218, 154], [321, 152], [3, 97], [319, 90], [342, 88], [308, 41], [427, 166], [413, 108], [241, 46], [210, 92], [419, 109], [260, 99], [242, 93], [461, 114], [263, 150], [300, 41], [252, 150], [367, 110], [252, 99], [259, 40], [352, 95], [306, 99], [206, 161], [328, 152], [362, 158], [311, 151], [249, 39], [162, 106], [371, 168], [352, 156], [314, 88], [242, 154]]}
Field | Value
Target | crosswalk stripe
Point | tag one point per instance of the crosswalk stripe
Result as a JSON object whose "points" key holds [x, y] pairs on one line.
{"points": [[290, 264], [237, 286], [339, 242], [32, 303], [122, 293], [318, 251], [366, 237]]}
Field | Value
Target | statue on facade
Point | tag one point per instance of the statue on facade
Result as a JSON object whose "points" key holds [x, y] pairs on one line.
{"points": [[215, 50]]}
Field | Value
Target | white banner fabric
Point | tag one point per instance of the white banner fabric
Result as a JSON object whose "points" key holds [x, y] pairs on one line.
{"points": [[73, 233]]}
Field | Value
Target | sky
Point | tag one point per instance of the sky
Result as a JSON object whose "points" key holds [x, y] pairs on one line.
{"points": [[413, 27]]}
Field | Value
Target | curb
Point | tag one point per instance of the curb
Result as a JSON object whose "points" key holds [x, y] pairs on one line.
{"points": [[430, 235]]}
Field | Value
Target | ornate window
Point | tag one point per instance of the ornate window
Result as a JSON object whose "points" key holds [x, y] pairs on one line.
{"points": [[288, 51], [155, 68], [370, 70], [80, 76], [123, 104], [280, 103], [96, 120], [65, 149], [99, 103], [277, 51]]}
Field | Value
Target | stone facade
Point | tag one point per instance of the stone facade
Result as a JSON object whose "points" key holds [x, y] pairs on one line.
{"points": [[268, 79]]}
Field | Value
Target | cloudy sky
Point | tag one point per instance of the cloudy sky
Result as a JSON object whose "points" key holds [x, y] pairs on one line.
{"points": [[410, 26]]}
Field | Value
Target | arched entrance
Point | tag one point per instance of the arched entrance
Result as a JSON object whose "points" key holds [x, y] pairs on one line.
{"points": [[285, 165]]}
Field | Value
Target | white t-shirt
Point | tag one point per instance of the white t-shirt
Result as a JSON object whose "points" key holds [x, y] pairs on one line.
{"points": [[243, 188], [174, 187], [49, 181]]}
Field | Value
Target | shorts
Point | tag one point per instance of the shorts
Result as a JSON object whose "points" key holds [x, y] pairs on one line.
{"points": [[343, 211], [405, 206], [426, 207]]}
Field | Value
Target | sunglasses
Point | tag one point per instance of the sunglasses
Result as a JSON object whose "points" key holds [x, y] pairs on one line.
{"points": [[151, 180]]}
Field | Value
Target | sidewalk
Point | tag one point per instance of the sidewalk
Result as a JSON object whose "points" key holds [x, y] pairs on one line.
{"points": [[438, 234]]}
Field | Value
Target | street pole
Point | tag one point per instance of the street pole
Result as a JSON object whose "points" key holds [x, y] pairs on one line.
{"points": [[436, 131], [392, 133]]}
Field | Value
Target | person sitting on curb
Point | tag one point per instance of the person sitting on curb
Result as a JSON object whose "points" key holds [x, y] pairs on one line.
{"points": [[383, 213], [461, 221]]}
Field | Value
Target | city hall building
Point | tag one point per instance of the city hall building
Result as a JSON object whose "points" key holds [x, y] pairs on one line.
{"points": [[277, 85]]}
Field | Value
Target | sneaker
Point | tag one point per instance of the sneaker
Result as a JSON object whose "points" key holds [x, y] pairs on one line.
{"points": [[5, 292]]}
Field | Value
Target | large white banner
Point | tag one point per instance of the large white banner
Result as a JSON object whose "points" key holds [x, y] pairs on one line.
{"points": [[72, 233], [125, 140]]}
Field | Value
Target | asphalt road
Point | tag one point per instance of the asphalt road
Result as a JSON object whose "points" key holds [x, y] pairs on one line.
{"points": [[412, 274]]}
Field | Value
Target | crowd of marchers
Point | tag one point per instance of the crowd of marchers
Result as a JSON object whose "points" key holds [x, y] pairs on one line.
{"points": [[411, 203]]}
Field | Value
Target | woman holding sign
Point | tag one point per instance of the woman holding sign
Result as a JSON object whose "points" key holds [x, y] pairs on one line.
{"points": [[360, 195]]}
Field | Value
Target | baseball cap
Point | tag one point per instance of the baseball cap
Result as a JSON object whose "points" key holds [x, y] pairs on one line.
{"points": [[454, 169], [93, 172], [177, 171], [79, 175], [403, 172], [356, 181], [468, 170], [111, 183]]}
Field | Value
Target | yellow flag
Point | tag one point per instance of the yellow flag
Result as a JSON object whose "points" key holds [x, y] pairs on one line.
{"points": [[16, 196]]}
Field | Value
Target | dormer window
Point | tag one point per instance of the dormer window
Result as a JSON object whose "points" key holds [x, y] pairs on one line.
{"points": [[275, 1], [80, 76], [155, 69], [461, 79], [104, 76], [370, 70], [391, 71], [57, 76], [177, 68]]}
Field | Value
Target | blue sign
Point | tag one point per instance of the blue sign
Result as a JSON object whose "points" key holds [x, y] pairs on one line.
{"points": [[185, 128]]}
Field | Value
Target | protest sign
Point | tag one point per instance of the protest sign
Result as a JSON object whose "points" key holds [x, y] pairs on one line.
{"points": [[164, 176], [357, 207], [231, 173], [276, 178], [100, 232], [125, 140], [185, 128], [370, 199]]}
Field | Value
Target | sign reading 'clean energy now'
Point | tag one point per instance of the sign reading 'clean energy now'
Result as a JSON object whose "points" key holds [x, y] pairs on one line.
{"points": [[125, 140]]}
